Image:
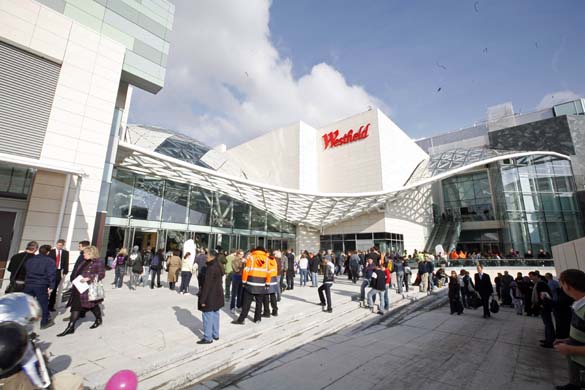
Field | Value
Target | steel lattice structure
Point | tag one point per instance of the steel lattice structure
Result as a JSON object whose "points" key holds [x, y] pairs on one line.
{"points": [[317, 210]]}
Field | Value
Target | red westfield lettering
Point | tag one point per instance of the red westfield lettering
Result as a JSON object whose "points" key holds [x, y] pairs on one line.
{"points": [[332, 139]]}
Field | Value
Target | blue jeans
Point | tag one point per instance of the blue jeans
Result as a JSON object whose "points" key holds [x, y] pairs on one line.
{"points": [[42, 296], [399, 281], [314, 281], [119, 279], [371, 294], [365, 283], [185, 280], [210, 325], [236, 296], [386, 299], [303, 273]]}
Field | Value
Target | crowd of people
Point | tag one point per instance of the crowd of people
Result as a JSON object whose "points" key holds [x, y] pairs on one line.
{"points": [[260, 276]]}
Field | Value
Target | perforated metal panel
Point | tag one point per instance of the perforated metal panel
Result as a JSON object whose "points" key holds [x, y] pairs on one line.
{"points": [[27, 89]]}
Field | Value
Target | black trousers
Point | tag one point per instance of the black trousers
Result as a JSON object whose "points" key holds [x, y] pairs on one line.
{"points": [[485, 301], [290, 280], [154, 273], [327, 289], [53, 296], [247, 303], [549, 326], [269, 300], [355, 274]]}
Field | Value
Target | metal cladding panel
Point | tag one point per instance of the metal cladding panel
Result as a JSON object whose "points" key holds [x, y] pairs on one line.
{"points": [[27, 89]]}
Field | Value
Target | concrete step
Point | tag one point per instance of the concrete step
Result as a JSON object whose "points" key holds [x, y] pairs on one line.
{"points": [[251, 348]]}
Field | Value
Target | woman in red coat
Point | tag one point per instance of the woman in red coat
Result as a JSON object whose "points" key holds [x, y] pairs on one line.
{"points": [[91, 270]]}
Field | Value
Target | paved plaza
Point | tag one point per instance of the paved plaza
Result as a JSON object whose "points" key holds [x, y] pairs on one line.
{"points": [[427, 350], [154, 333]]}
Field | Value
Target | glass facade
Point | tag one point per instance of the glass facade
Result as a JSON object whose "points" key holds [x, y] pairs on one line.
{"points": [[468, 197], [536, 201], [15, 182], [386, 242], [175, 212]]}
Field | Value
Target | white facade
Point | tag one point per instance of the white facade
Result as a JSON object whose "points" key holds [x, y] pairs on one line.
{"points": [[79, 123], [298, 157]]}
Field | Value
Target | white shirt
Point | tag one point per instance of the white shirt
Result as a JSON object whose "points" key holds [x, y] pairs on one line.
{"points": [[578, 304], [303, 263]]}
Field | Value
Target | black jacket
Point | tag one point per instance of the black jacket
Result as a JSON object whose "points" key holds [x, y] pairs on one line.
{"points": [[212, 290], [16, 266], [454, 288], [379, 281], [40, 271], [64, 265], [76, 268], [484, 285], [291, 263], [314, 264]]}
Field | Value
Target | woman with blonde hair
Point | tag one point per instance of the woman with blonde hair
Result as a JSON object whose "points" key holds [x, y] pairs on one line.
{"points": [[92, 270]]}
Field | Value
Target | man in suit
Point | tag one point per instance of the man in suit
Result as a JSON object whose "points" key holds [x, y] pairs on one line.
{"points": [[82, 245], [483, 285], [61, 257]]}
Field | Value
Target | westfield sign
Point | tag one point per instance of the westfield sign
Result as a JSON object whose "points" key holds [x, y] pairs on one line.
{"points": [[333, 139]]}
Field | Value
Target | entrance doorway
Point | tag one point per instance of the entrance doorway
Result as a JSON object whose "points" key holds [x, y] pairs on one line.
{"points": [[7, 220], [144, 238]]}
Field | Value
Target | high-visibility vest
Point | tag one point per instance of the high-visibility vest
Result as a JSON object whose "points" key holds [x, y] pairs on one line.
{"points": [[273, 272], [256, 273]]}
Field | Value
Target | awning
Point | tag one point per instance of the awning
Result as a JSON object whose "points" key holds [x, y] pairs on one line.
{"points": [[51, 166], [316, 210]]}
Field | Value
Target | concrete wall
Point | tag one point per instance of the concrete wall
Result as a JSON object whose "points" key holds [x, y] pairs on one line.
{"points": [[272, 158], [353, 167], [373, 222], [307, 240], [81, 115], [569, 255], [399, 154], [308, 163]]}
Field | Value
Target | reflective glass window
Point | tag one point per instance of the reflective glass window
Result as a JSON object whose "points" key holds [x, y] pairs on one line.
{"points": [[199, 207], [120, 193], [241, 215], [147, 199], [222, 211], [273, 224], [258, 221], [175, 202]]}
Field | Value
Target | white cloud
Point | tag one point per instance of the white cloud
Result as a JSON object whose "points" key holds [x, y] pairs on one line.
{"points": [[554, 98], [227, 83]]}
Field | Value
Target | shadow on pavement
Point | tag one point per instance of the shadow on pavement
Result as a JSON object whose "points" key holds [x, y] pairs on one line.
{"points": [[188, 320]]}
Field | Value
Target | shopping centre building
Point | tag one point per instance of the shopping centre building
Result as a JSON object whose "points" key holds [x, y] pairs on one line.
{"points": [[71, 167]]}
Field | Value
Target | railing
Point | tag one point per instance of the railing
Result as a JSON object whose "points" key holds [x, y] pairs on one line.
{"points": [[497, 262]]}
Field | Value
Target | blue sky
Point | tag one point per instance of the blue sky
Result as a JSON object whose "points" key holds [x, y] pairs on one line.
{"points": [[238, 69], [516, 51]]}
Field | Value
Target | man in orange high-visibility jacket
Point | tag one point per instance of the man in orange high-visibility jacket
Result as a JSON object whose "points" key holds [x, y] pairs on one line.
{"points": [[255, 282], [271, 295]]}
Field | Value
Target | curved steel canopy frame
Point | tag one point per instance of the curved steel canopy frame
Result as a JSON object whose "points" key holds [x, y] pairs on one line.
{"points": [[317, 210]]}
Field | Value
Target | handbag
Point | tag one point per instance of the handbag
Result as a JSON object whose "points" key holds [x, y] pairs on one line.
{"points": [[494, 306], [96, 291]]}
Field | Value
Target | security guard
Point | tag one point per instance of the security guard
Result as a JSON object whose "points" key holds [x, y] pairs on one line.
{"points": [[256, 283], [270, 296]]}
